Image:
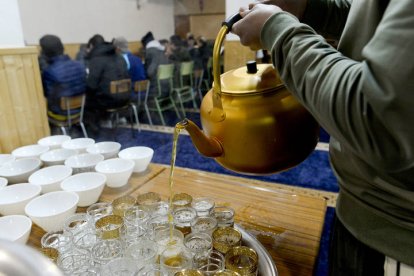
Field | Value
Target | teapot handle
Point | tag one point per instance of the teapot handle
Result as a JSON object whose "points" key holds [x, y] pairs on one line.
{"points": [[217, 113]]}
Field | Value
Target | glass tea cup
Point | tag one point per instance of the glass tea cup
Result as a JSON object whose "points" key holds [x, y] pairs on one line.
{"points": [[204, 224], [181, 200], [224, 216], [203, 205], [144, 251], [148, 201], [120, 266], [106, 250], [215, 263], [168, 237], [175, 258], [121, 204], [77, 223], [98, 210], [151, 270], [72, 262], [189, 272], [200, 246], [60, 240], [110, 227], [183, 217]]}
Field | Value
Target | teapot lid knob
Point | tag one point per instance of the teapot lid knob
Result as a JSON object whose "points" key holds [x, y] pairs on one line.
{"points": [[251, 67]]}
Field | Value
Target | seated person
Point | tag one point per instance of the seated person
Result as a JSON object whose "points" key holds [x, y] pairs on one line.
{"points": [[62, 76], [104, 66], [177, 53], [135, 66], [154, 56]]}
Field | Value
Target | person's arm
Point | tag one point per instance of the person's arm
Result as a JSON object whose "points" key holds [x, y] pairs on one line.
{"points": [[327, 17], [366, 104]]}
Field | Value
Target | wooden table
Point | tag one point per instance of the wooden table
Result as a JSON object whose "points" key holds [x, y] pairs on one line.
{"points": [[288, 225]]}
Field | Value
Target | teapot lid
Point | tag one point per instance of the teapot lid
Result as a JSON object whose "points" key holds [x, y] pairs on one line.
{"points": [[253, 78]]}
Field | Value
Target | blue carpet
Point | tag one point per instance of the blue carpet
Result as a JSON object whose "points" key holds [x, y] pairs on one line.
{"points": [[314, 172]]}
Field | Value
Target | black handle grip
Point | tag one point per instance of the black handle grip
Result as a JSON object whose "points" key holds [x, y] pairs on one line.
{"points": [[231, 20]]}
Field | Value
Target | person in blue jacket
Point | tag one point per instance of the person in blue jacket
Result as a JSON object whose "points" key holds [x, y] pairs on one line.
{"points": [[62, 76]]}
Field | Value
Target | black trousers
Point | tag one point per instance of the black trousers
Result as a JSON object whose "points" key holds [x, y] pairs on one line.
{"points": [[348, 256]]}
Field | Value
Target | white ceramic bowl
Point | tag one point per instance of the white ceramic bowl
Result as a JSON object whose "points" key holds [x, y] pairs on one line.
{"points": [[140, 155], [84, 162], [107, 149], [57, 156], [15, 228], [49, 211], [117, 171], [5, 158], [54, 141], [78, 144], [14, 198], [30, 151], [49, 178], [88, 186], [18, 171], [3, 182]]}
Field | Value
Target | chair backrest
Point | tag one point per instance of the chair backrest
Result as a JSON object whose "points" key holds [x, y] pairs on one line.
{"points": [[73, 102], [120, 86], [165, 71], [141, 86], [186, 71]]}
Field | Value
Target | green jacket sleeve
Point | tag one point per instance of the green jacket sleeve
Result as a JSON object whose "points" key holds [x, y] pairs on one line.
{"points": [[327, 17], [366, 104]]}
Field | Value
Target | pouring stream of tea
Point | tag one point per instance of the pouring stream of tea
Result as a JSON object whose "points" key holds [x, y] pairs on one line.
{"points": [[178, 128]]}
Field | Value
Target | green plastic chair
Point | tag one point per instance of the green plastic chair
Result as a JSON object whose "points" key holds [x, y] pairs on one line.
{"points": [[185, 91], [165, 74]]}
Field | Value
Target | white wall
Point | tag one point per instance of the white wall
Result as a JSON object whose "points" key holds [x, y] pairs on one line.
{"points": [[75, 21], [231, 8], [11, 33]]}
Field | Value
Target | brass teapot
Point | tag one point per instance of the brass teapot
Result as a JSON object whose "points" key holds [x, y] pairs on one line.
{"points": [[251, 123]]}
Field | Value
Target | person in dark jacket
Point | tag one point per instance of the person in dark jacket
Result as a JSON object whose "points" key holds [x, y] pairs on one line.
{"points": [[135, 66], [104, 66], [62, 76]]}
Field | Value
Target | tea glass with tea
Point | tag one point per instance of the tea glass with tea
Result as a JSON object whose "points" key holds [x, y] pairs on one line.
{"points": [[215, 263], [224, 238], [175, 258], [98, 210], [121, 204]]}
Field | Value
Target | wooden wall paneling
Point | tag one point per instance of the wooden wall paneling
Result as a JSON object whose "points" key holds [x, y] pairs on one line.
{"points": [[23, 108], [182, 25], [236, 55], [206, 25], [193, 7]]}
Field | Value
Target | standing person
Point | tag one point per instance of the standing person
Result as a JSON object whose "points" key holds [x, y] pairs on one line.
{"points": [[104, 66], [135, 66], [62, 77], [362, 94]]}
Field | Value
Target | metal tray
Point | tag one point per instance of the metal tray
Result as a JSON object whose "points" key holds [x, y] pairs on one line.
{"points": [[266, 265]]}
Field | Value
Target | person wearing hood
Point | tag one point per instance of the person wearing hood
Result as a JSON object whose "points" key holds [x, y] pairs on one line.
{"points": [[62, 77], [104, 66], [154, 56]]}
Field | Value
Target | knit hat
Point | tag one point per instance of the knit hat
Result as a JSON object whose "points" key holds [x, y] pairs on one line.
{"points": [[147, 38], [121, 43], [51, 46]]}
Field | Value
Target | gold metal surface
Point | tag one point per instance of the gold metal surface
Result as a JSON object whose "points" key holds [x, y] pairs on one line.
{"points": [[242, 259], [225, 238]]}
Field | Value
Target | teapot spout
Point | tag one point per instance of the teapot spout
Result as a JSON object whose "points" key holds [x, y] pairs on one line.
{"points": [[207, 146]]}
